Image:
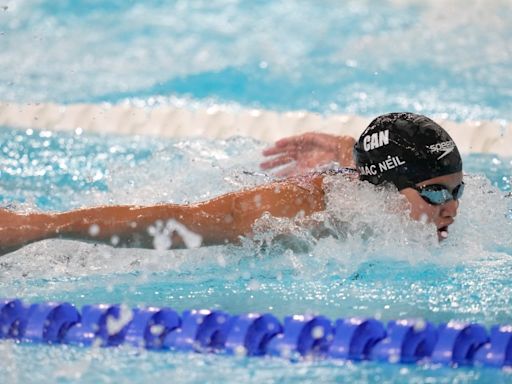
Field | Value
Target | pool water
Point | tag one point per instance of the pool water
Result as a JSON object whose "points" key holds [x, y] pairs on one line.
{"points": [[399, 272], [448, 60], [364, 57]]}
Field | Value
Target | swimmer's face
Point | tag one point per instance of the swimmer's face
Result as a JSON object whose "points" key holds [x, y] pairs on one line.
{"points": [[441, 215]]}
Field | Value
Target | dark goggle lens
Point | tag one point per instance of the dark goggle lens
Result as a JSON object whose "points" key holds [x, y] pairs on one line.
{"points": [[438, 194]]}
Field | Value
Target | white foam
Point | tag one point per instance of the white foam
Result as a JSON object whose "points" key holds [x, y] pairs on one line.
{"points": [[373, 224], [368, 221], [223, 122]]}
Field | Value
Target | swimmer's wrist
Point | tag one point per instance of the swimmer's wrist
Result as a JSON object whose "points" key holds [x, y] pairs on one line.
{"points": [[345, 151]]}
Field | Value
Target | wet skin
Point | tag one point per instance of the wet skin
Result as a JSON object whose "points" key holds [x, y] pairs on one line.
{"points": [[442, 216], [220, 220]]}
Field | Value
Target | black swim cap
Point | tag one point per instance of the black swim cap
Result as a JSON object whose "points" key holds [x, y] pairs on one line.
{"points": [[405, 148]]}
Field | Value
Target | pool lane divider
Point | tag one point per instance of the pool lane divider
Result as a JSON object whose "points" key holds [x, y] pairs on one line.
{"points": [[253, 334], [220, 122]]}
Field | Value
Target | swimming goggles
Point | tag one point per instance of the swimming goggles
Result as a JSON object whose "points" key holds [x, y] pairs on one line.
{"points": [[438, 194]]}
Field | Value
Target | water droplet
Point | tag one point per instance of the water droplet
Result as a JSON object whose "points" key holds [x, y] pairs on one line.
{"points": [[94, 230], [317, 332]]}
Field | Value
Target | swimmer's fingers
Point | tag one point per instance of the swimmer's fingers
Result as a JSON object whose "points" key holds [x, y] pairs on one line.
{"points": [[291, 141], [291, 149], [277, 162], [306, 141], [287, 145], [272, 151]]}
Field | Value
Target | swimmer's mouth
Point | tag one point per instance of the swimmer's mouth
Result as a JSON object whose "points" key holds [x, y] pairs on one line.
{"points": [[442, 233]]}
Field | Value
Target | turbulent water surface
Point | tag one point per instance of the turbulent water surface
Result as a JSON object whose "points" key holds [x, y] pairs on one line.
{"points": [[445, 59], [380, 265]]}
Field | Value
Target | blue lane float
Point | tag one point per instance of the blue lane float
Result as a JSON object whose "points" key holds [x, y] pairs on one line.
{"points": [[354, 338], [93, 327], [253, 334], [250, 334], [406, 341], [200, 331], [302, 336], [48, 322]]}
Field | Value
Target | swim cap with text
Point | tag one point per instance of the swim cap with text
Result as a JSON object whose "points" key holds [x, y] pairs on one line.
{"points": [[405, 148]]}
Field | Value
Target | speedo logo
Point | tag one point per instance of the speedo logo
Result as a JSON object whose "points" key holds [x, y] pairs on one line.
{"points": [[445, 147], [376, 140]]}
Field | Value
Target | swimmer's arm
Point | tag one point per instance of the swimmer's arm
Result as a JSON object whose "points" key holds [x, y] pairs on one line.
{"points": [[220, 220], [17, 229]]}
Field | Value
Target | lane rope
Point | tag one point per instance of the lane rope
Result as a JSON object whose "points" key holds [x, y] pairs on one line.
{"points": [[253, 334], [220, 122]]}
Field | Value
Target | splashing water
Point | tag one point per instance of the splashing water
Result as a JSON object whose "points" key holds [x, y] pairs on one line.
{"points": [[446, 59], [373, 262]]}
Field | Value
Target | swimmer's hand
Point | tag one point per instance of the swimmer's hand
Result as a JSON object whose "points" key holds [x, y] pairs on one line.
{"points": [[303, 153]]}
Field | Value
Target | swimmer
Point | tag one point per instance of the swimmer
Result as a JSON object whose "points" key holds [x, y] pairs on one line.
{"points": [[407, 150], [410, 151]]}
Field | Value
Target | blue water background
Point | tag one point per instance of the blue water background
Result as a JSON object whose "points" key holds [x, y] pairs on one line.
{"points": [[365, 57], [443, 59]]}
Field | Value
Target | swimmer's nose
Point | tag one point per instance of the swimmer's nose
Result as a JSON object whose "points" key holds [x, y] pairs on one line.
{"points": [[449, 209]]}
